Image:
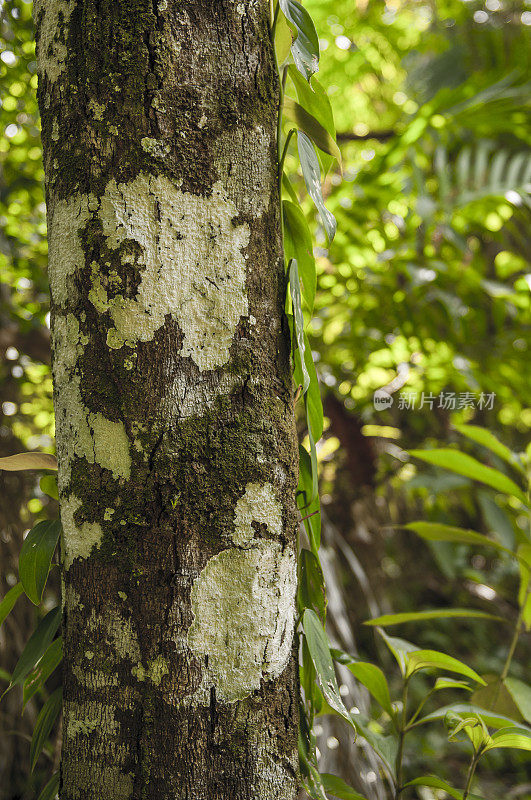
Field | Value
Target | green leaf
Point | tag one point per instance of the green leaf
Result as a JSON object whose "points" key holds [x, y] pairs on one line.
{"points": [[509, 737], [48, 485], [22, 461], [438, 613], [36, 557], [283, 39], [311, 583], [437, 532], [374, 680], [427, 659], [314, 405], [306, 122], [436, 783], [40, 674], [521, 695], [314, 99], [298, 245], [495, 697], [36, 646], [469, 467], [51, 789], [491, 718], [487, 439], [9, 600], [400, 648], [450, 683], [320, 653], [524, 593], [305, 48], [298, 320], [335, 785], [45, 721], [312, 179]]}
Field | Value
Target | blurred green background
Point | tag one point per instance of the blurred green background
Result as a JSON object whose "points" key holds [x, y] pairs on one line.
{"points": [[424, 291]]}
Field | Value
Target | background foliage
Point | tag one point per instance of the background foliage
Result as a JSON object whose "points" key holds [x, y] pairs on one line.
{"points": [[425, 289]]}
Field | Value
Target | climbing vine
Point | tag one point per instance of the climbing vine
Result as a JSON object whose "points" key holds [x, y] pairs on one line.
{"points": [[308, 117]]}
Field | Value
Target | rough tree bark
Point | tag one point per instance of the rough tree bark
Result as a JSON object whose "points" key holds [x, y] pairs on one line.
{"points": [[175, 430]]}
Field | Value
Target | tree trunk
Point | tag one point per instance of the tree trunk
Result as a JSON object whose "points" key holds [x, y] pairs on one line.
{"points": [[175, 431]]}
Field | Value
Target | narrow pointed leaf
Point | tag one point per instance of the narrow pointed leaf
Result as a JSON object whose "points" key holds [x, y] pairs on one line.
{"points": [[37, 645], [51, 789], [487, 439], [509, 737], [22, 461], [374, 680], [312, 178], [432, 659], [45, 721], [36, 557], [336, 786], [298, 320], [469, 467], [437, 532], [438, 613], [491, 718], [9, 600], [40, 674], [436, 783]]}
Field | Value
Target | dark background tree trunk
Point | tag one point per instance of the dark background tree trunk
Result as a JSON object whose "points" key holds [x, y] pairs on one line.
{"points": [[173, 399]]}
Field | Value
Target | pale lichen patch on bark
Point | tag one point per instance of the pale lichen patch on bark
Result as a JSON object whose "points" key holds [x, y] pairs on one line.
{"points": [[51, 45], [192, 266], [154, 672], [258, 504], [78, 540], [66, 221], [80, 432], [243, 604]]}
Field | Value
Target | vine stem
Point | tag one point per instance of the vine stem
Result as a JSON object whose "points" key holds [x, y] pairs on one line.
{"points": [[470, 776], [401, 737]]}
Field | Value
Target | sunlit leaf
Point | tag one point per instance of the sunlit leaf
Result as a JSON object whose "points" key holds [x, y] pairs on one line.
{"points": [[510, 737], [487, 439], [305, 48], [22, 461], [432, 659], [469, 467], [438, 613], [312, 178], [298, 319]]}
